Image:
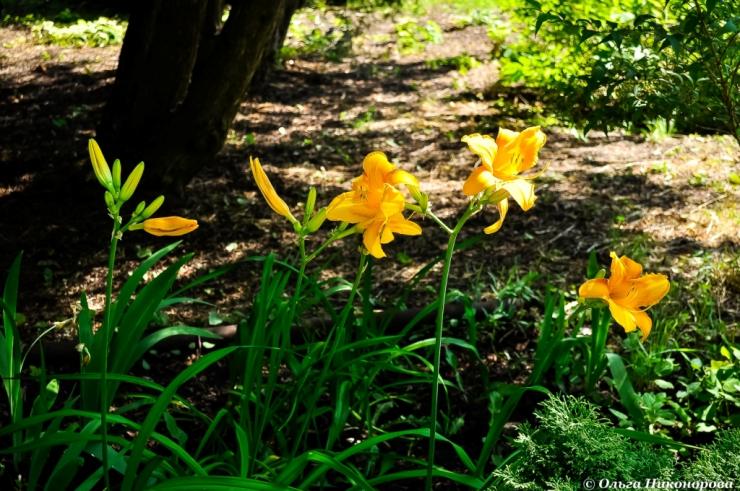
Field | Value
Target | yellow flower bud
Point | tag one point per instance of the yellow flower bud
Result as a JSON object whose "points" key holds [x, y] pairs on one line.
{"points": [[132, 182], [100, 166], [167, 226]]}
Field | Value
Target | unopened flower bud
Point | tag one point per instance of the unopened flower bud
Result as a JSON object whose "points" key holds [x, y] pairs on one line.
{"points": [[310, 203], [139, 208], [132, 182], [315, 223], [110, 201], [117, 175], [100, 166], [153, 207]]}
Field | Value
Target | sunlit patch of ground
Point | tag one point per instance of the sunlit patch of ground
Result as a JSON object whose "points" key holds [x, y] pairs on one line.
{"points": [[312, 124]]}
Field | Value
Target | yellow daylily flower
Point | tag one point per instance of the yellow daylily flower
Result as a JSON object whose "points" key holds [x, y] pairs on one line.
{"points": [[628, 293], [502, 162], [376, 211], [167, 226], [268, 191], [379, 171]]}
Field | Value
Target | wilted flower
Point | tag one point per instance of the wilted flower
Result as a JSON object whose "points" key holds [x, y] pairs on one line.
{"points": [[627, 293]]}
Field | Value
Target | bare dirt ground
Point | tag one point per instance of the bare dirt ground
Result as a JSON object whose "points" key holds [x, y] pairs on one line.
{"points": [[311, 125]]}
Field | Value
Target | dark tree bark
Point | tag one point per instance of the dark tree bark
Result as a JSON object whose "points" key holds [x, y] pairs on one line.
{"points": [[271, 56], [181, 77]]}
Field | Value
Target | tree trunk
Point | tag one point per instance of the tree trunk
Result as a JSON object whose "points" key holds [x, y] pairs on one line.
{"points": [[181, 77], [271, 56]]}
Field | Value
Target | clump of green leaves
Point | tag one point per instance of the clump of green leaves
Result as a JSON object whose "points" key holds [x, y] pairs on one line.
{"points": [[462, 63], [623, 64], [100, 32], [414, 37], [318, 34], [570, 443]]}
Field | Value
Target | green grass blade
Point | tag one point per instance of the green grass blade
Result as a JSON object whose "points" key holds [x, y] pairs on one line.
{"points": [[627, 395], [155, 413], [129, 287], [217, 483]]}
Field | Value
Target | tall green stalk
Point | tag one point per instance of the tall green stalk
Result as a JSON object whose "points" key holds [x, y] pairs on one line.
{"points": [[339, 336], [107, 328], [439, 323]]}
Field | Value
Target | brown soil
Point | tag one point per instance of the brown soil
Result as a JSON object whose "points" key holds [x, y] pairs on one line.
{"points": [[312, 124]]}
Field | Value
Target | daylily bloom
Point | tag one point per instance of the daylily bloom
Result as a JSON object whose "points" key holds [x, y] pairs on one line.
{"points": [[375, 205], [268, 191], [502, 162], [628, 293], [167, 226], [377, 215], [379, 171]]}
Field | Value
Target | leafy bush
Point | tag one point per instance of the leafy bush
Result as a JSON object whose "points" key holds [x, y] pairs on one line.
{"points": [[719, 461], [66, 28], [626, 64], [570, 443]]}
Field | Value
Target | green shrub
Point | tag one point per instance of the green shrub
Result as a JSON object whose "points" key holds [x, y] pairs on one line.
{"points": [[720, 460], [570, 443]]}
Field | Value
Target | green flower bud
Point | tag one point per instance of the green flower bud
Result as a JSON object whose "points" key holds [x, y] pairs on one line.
{"points": [[117, 175], [132, 182], [139, 208], [421, 198], [110, 201], [315, 223], [153, 207], [310, 203]]}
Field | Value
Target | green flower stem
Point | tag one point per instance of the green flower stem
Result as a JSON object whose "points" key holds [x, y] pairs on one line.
{"points": [[442, 299], [107, 328], [336, 235], [600, 321], [439, 222]]}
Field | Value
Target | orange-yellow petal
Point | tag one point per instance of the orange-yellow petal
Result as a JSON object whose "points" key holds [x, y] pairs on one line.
{"points": [[649, 290], [400, 225], [517, 152], [479, 180], [268, 191], [345, 208], [483, 146], [644, 323], [522, 192], [503, 207], [504, 137], [392, 201], [376, 167], [532, 140], [623, 316], [596, 288], [371, 239], [169, 226], [400, 176]]}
